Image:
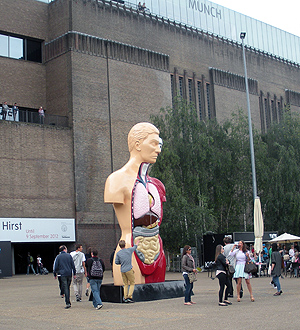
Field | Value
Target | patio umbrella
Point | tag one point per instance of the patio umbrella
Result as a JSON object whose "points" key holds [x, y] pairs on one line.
{"points": [[258, 226], [285, 238]]}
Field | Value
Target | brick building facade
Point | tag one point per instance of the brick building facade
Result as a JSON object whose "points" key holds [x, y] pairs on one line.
{"points": [[107, 66]]}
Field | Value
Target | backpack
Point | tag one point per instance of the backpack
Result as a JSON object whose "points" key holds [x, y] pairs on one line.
{"points": [[96, 269], [31, 259]]}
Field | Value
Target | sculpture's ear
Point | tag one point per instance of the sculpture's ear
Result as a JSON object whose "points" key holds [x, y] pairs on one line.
{"points": [[138, 145]]}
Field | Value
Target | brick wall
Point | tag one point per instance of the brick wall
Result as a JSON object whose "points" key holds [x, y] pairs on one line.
{"points": [[36, 171]]}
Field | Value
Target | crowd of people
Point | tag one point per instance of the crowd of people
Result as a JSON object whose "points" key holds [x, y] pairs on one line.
{"points": [[74, 267], [232, 263], [14, 111], [236, 262]]}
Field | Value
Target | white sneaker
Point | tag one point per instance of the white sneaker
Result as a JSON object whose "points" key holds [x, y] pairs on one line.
{"points": [[99, 306]]}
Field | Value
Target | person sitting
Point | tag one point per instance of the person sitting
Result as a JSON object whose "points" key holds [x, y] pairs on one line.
{"points": [[140, 6]]}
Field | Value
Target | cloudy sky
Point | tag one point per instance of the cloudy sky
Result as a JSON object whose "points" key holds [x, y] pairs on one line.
{"points": [[281, 14]]}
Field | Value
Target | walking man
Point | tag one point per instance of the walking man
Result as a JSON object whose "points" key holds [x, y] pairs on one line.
{"points": [[64, 266], [30, 264], [79, 262], [95, 269], [124, 258]]}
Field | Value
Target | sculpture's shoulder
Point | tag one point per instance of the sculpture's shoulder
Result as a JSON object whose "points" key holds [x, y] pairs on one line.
{"points": [[114, 187], [118, 186]]}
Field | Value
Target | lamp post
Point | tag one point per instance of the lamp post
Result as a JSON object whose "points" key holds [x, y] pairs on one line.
{"points": [[242, 36], [256, 226]]}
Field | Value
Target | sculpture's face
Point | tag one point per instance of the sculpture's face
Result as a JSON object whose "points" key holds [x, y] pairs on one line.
{"points": [[150, 148]]}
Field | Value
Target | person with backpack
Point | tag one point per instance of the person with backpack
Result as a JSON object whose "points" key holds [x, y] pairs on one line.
{"points": [[95, 268], [30, 264]]}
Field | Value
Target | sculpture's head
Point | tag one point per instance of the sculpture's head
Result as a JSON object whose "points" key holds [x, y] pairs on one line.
{"points": [[144, 142]]}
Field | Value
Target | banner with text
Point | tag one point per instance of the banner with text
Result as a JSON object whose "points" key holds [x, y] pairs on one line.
{"points": [[37, 230]]}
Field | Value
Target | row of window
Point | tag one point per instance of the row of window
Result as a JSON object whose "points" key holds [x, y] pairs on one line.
{"points": [[20, 48], [271, 111], [197, 93]]}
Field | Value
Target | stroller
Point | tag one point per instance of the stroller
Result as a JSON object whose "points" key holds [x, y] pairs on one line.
{"points": [[44, 270]]}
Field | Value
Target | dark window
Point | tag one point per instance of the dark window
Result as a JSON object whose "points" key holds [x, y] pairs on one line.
{"points": [[280, 113], [181, 86], [172, 87], [274, 112], [199, 99], [34, 50], [267, 114], [208, 100], [190, 90]]}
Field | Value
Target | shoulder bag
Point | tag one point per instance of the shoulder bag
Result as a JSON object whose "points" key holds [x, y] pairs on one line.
{"points": [[192, 277], [250, 268]]}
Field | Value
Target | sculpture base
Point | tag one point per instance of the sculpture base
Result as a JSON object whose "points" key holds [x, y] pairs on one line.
{"points": [[144, 292]]}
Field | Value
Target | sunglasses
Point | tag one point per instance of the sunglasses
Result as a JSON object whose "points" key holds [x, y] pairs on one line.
{"points": [[189, 249]]}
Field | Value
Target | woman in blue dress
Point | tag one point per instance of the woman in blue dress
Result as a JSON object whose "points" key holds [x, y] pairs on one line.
{"points": [[241, 255]]}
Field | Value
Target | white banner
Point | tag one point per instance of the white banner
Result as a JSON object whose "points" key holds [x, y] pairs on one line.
{"points": [[33, 230]]}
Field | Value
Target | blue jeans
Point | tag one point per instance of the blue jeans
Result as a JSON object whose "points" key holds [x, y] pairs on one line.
{"points": [[277, 283], [95, 287], [28, 267], [188, 289], [65, 285]]}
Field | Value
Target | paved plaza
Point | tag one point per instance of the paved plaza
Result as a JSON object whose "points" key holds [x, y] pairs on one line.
{"points": [[33, 302]]}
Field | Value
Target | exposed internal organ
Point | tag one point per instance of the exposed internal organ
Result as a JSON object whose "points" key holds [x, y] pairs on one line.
{"points": [[146, 205], [148, 194], [148, 249]]}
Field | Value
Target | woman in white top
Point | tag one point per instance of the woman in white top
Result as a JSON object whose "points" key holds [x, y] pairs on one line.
{"points": [[241, 254]]}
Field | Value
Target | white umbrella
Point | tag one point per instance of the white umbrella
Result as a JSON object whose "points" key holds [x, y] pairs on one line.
{"points": [[285, 238], [258, 226]]}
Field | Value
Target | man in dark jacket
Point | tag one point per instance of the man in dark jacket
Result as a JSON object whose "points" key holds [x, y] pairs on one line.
{"points": [[64, 266], [95, 268]]}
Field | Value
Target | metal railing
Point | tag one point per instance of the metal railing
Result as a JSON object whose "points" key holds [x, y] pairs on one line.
{"points": [[27, 116]]}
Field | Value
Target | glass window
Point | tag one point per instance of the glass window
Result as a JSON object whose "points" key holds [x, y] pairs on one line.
{"points": [[16, 48], [267, 114], [208, 100], [190, 90], [3, 45], [181, 86], [34, 51], [199, 99], [172, 87]]}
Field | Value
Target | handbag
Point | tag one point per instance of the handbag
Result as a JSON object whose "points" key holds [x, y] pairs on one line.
{"points": [[270, 269], [250, 268], [192, 277], [231, 270]]}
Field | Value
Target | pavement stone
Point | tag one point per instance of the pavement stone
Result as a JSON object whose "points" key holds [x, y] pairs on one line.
{"points": [[33, 302]]}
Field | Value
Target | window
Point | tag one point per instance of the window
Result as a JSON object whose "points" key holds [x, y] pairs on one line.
{"points": [[34, 50], [208, 100], [15, 48], [190, 90], [274, 112], [181, 86], [21, 48], [172, 87], [199, 99], [267, 114], [3, 45]]}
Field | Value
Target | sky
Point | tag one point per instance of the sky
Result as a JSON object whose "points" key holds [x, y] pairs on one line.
{"points": [[281, 14]]}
